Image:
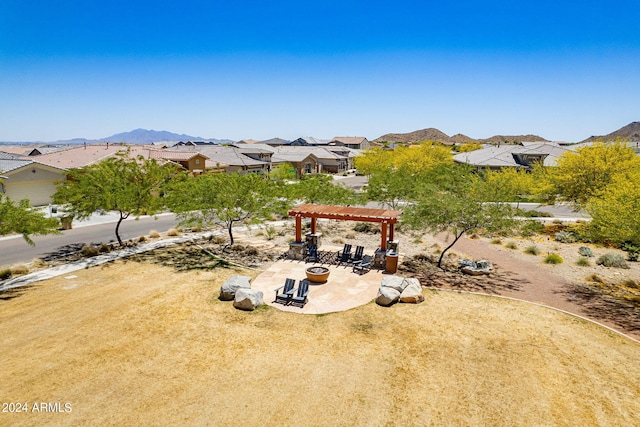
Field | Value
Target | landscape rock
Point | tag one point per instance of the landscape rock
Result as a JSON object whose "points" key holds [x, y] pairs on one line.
{"points": [[387, 296], [475, 268], [230, 287], [248, 299], [413, 292], [394, 282]]}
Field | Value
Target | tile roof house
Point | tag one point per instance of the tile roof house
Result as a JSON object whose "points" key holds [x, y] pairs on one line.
{"points": [[23, 178], [355, 142], [231, 159], [523, 155], [327, 160]]}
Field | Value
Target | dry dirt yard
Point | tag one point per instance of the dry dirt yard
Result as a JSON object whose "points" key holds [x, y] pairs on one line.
{"points": [[136, 342]]}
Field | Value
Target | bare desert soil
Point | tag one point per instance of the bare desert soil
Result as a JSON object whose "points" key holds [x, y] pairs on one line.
{"points": [[143, 341]]}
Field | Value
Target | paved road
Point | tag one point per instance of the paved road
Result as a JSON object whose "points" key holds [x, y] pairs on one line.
{"points": [[14, 249]]}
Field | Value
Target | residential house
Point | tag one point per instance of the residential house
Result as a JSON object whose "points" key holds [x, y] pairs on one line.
{"points": [[310, 141], [354, 142], [230, 159], [26, 179], [523, 155], [302, 161]]}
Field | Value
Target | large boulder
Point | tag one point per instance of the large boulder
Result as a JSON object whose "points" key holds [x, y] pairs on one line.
{"points": [[248, 299], [387, 296], [475, 268], [394, 282], [230, 287], [412, 293]]}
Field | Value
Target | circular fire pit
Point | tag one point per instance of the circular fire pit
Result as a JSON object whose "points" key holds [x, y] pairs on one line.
{"points": [[317, 274]]}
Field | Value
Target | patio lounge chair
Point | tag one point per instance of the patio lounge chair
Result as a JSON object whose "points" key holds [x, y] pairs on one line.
{"points": [[287, 291], [300, 299], [363, 265], [345, 254], [358, 255]]}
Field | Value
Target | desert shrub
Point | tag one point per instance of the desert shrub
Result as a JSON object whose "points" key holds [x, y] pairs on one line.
{"points": [[19, 269], [5, 273], [595, 278], [250, 250], [531, 228], [173, 232], [629, 283], [88, 250], [496, 241], [534, 214], [237, 248], [474, 236], [612, 260], [583, 262], [142, 239], [104, 248], [338, 240], [154, 234], [270, 232], [553, 259], [217, 239], [565, 237], [363, 227], [632, 250], [350, 235], [511, 245], [38, 263], [555, 227], [585, 251], [532, 250]]}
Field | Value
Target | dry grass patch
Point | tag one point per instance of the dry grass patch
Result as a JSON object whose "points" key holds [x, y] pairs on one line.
{"points": [[133, 343]]}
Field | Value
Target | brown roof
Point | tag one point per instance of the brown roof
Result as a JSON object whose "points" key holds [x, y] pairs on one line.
{"points": [[350, 139], [346, 213]]}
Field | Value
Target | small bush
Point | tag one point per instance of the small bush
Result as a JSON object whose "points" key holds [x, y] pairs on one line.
{"points": [[585, 251], [250, 250], [218, 239], [19, 269], [173, 232], [612, 260], [511, 245], [88, 250], [237, 248], [595, 278], [535, 214], [350, 235], [553, 259], [270, 232], [496, 241], [565, 237], [363, 227], [5, 273], [632, 250], [532, 250], [338, 240], [38, 263], [583, 262], [142, 239], [530, 228], [104, 248], [629, 283], [153, 234]]}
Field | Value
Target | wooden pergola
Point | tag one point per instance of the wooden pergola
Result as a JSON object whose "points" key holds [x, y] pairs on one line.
{"points": [[388, 218]]}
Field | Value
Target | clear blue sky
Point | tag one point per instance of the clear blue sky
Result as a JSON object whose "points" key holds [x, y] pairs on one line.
{"points": [[565, 70]]}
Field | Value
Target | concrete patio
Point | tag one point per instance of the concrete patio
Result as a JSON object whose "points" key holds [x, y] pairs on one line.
{"points": [[344, 289]]}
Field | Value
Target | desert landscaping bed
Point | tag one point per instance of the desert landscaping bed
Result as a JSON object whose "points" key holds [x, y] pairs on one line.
{"points": [[137, 343]]}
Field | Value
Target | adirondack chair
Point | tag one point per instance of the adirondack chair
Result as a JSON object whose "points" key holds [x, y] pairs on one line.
{"points": [[358, 255], [300, 299], [287, 291], [363, 265], [312, 253], [345, 254]]}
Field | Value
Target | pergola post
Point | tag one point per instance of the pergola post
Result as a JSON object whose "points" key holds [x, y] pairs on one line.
{"points": [[391, 227], [383, 244], [313, 225], [298, 228]]}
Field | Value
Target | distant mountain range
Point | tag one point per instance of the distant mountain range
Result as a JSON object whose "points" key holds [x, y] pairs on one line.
{"points": [[432, 134], [138, 136], [630, 132]]}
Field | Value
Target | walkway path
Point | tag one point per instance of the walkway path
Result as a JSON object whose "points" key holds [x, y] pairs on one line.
{"points": [[533, 284]]}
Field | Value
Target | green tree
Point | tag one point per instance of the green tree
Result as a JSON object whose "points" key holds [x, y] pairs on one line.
{"points": [[320, 188], [616, 211], [456, 201], [391, 187], [226, 199], [514, 182], [585, 173], [123, 184], [21, 218]]}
